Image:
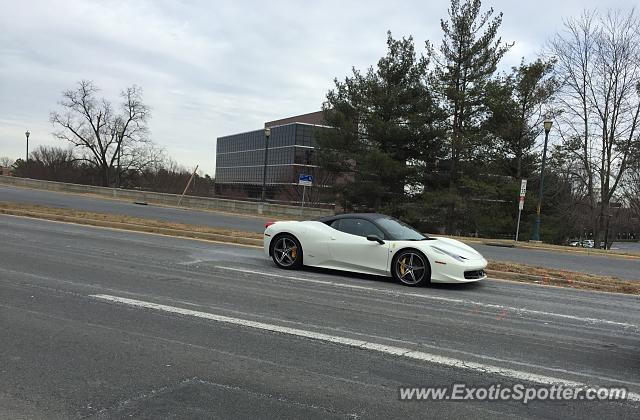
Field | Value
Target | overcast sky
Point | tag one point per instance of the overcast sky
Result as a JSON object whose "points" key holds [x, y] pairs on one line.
{"points": [[213, 68]]}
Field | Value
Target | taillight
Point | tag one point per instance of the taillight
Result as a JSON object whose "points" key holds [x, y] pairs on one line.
{"points": [[269, 223]]}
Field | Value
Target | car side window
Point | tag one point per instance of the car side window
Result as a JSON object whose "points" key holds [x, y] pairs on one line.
{"points": [[358, 227]]}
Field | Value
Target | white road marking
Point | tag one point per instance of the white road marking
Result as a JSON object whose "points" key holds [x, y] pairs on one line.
{"points": [[440, 298], [365, 345]]}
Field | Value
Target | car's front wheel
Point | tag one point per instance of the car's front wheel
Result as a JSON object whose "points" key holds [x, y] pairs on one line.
{"points": [[286, 252], [412, 268]]}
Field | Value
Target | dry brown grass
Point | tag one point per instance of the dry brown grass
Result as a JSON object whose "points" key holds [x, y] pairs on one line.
{"points": [[132, 223], [563, 278]]}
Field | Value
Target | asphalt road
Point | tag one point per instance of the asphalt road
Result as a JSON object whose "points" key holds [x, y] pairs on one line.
{"points": [[102, 323], [103, 205], [616, 267]]}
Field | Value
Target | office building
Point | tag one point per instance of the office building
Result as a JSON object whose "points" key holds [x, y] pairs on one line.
{"points": [[240, 159]]}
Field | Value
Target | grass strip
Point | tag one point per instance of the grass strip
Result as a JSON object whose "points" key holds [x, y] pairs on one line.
{"points": [[563, 278]]}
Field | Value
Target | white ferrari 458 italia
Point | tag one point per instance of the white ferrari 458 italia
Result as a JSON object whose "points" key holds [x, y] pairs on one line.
{"points": [[372, 244]]}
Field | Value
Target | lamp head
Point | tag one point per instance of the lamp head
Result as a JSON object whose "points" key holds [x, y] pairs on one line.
{"points": [[547, 124]]}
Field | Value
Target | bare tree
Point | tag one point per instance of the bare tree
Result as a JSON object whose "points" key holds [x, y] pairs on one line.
{"points": [[109, 139], [53, 163], [52, 156], [5, 162], [631, 191], [599, 63]]}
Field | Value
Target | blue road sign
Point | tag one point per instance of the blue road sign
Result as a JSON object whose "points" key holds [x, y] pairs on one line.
{"points": [[306, 180]]}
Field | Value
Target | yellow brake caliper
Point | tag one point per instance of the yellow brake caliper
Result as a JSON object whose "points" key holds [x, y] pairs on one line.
{"points": [[294, 252], [402, 263]]}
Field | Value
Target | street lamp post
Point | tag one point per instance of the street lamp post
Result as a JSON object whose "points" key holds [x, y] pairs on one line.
{"points": [[27, 134], [119, 156], [267, 134], [547, 127]]}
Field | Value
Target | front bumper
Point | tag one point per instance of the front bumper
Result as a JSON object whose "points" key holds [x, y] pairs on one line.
{"points": [[455, 272]]}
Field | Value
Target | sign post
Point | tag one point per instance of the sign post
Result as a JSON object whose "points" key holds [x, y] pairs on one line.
{"points": [[305, 181], [523, 192]]}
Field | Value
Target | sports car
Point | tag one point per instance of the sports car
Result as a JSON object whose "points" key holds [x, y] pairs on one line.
{"points": [[372, 243]]}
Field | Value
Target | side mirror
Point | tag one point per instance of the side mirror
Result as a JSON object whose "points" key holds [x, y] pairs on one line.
{"points": [[375, 238]]}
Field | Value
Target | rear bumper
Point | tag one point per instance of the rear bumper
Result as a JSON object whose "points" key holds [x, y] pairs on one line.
{"points": [[267, 245]]}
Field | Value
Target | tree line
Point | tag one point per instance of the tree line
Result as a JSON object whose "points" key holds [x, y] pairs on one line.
{"points": [[442, 138], [54, 163]]}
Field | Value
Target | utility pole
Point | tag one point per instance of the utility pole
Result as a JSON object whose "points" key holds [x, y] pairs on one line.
{"points": [[187, 187]]}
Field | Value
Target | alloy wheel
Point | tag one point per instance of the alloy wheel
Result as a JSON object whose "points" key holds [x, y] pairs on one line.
{"points": [[285, 251], [410, 268]]}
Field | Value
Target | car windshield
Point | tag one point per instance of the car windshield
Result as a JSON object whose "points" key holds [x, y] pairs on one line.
{"points": [[400, 231]]}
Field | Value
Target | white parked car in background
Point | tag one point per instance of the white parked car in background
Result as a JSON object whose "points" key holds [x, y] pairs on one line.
{"points": [[584, 243], [372, 244]]}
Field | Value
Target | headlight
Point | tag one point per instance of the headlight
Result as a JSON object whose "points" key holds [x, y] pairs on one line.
{"points": [[451, 254]]}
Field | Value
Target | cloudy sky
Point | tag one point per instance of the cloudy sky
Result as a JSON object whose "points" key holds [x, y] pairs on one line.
{"points": [[212, 68]]}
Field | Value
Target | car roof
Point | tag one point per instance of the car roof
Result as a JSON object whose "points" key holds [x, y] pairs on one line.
{"points": [[367, 216]]}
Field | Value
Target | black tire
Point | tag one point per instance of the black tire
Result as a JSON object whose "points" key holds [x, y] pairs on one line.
{"points": [[411, 268], [286, 251]]}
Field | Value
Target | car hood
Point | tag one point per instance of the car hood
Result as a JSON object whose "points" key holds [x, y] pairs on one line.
{"points": [[454, 247]]}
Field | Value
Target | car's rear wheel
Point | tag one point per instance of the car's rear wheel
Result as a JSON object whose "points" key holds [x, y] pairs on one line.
{"points": [[286, 252], [412, 268]]}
